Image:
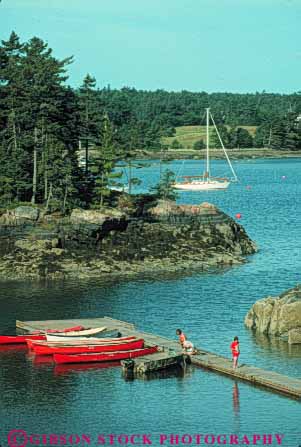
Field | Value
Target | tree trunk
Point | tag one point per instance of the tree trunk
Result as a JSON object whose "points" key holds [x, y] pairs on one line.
{"points": [[65, 197], [270, 138], [15, 137], [49, 196], [45, 167], [102, 182], [87, 155], [34, 176], [130, 177]]}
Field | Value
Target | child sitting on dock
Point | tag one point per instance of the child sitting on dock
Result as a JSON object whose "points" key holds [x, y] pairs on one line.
{"points": [[187, 346], [182, 337], [235, 351]]}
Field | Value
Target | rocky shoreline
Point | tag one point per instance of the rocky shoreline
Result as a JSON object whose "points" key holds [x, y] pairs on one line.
{"points": [[278, 316], [234, 154], [138, 237]]}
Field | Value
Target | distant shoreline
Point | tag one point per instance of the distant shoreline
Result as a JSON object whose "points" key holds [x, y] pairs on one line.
{"points": [[234, 154]]}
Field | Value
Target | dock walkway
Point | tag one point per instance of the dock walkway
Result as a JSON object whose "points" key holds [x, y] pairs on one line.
{"points": [[268, 379]]}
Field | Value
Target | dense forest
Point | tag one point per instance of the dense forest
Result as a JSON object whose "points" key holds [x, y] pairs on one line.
{"points": [[43, 123]]}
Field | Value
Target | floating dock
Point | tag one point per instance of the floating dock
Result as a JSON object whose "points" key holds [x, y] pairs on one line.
{"points": [[271, 380], [155, 362]]}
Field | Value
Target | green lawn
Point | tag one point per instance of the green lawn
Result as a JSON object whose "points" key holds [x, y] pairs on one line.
{"points": [[188, 135]]}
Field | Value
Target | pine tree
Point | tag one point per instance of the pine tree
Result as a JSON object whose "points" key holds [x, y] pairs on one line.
{"points": [[36, 107], [88, 115], [105, 160], [164, 189]]}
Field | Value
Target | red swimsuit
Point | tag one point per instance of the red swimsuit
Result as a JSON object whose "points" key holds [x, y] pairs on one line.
{"points": [[235, 348], [182, 338]]}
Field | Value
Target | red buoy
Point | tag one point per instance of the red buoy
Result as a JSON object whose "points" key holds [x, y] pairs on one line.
{"points": [[238, 216]]}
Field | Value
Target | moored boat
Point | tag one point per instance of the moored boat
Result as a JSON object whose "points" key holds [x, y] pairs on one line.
{"points": [[46, 349], [206, 182], [60, 331], [76, 342], [104, 356], [16, 339], [75, 334]]}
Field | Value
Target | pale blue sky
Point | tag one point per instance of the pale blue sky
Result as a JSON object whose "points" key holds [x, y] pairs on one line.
{"points": [[196, 45]]}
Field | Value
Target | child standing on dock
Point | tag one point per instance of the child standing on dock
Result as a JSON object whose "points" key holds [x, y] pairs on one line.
{"points": [[235, 351]]}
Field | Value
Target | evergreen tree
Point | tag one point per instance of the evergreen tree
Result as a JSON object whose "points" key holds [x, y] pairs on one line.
{"points": [[198, 145], [164, 189], [90, 118], [176, 144], [105, 160], [35, 102]]}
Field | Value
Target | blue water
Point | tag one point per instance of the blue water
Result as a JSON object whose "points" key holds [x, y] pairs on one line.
{"points": [[210, 308]]}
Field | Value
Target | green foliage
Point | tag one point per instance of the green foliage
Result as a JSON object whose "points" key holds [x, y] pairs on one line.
{"points": [[104, 163], [175, 144], [164, 189], [234, 137], [198, 145], [36, 109], [42, 122]]}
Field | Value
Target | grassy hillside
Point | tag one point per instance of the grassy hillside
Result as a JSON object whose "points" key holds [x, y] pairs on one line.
{"points": [[188, 135]]}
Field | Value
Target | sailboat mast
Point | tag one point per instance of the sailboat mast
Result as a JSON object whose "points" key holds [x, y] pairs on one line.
{"points": [[207, 143], [225, 152]]}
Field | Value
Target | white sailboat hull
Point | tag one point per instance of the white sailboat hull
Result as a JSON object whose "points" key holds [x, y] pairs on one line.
{"points": [[202, 185], [205, 182]]}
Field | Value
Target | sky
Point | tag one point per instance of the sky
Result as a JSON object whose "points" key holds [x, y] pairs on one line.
{"points": [[196, 45]]}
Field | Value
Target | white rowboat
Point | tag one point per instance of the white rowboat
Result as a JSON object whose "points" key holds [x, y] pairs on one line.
{"points": [[74, 334]]}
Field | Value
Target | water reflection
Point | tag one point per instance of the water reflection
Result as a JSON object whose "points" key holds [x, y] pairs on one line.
{"points": [[235, 395], [80, 367], [271, 344], [236, 406]]}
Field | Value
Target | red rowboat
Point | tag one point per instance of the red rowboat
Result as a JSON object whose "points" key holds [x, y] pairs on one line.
{"points": [[9, 339], [104, 356], [81, 342], [46, 349]]}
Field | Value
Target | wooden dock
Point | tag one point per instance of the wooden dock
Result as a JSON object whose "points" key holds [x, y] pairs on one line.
{"points": [[271, 380]]}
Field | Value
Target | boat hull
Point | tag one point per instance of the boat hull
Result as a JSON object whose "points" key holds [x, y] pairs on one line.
{"points": [[201, 186], [103, 356], [64, 339], [83, 349], [17, 339], [82, 342], [83, 333]]}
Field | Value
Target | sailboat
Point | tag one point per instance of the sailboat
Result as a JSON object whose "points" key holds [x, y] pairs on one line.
{"points": [[206, 182]]}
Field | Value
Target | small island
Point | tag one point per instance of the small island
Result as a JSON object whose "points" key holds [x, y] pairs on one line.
{"points": [[142, 234]]}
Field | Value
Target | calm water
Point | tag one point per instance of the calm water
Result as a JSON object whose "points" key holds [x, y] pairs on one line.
{"points": [[210, 308]]}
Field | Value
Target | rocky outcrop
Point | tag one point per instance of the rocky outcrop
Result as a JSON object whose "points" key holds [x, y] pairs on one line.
{"points": [[278, 316], [20, 215], [294, 336], [165, 237], [97, 217]]}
